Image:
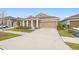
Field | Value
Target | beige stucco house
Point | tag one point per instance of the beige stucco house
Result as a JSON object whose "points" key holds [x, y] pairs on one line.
{"points": [[41, 20]]}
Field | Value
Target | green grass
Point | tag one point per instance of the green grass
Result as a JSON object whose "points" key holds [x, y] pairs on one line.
{"points": [[73, 45], [21, 30], [65, 33], [4, 35]]}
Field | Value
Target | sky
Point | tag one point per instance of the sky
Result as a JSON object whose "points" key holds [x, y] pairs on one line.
{"points": [[25, 12]]}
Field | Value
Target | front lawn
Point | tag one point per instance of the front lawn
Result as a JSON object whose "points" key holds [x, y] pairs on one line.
{"points": [[73, 45], [65, 33], [4, 35], [21, 30]]}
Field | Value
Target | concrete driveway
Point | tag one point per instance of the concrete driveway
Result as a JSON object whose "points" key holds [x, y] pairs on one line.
{"points": [[40, 39]]}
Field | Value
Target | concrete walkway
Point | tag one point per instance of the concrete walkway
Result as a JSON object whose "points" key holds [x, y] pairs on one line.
{"points": [[14, 32], [70, 39], [41, 39]]}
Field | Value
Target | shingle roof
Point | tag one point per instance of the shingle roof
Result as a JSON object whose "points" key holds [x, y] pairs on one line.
{"points": [[72, 17], [41, 15], [77, 15], [29, 17]]}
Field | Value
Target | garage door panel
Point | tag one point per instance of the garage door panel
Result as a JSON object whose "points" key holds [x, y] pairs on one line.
{"points": [[50, 24], [74, 23]]}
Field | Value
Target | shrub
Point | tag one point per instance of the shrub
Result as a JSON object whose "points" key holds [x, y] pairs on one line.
{"points": [[74, 32], [59, 26]]}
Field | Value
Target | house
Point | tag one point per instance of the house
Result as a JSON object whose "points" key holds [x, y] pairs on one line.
{"points": [[41, 20], [9, 20], [72, 21], [0, 21]]}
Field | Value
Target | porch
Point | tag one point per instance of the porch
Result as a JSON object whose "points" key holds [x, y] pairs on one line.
{"points": [[33, 24]]}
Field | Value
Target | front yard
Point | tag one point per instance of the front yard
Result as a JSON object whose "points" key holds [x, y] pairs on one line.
{"points": [[21, 30], [4, 35], [74, 46], [65, 33]]}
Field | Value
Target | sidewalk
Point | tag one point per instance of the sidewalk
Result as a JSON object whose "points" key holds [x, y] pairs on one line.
{"points": [[14, 32], [70, 39]]}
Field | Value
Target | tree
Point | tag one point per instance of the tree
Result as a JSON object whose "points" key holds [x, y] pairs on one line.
{"points": [[59, 26], [18, 23]]}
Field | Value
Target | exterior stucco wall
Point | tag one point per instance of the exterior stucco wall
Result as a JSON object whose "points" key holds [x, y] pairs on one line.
{"points": [[66, 22]]}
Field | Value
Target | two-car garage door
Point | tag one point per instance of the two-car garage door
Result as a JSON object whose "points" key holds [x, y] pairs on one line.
{"points": [[74, 23], [48, 24]]}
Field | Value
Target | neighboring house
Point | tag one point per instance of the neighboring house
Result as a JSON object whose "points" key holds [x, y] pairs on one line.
{"points": [[72, 21], [41, 21], [10, 21], [0, 21]]}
